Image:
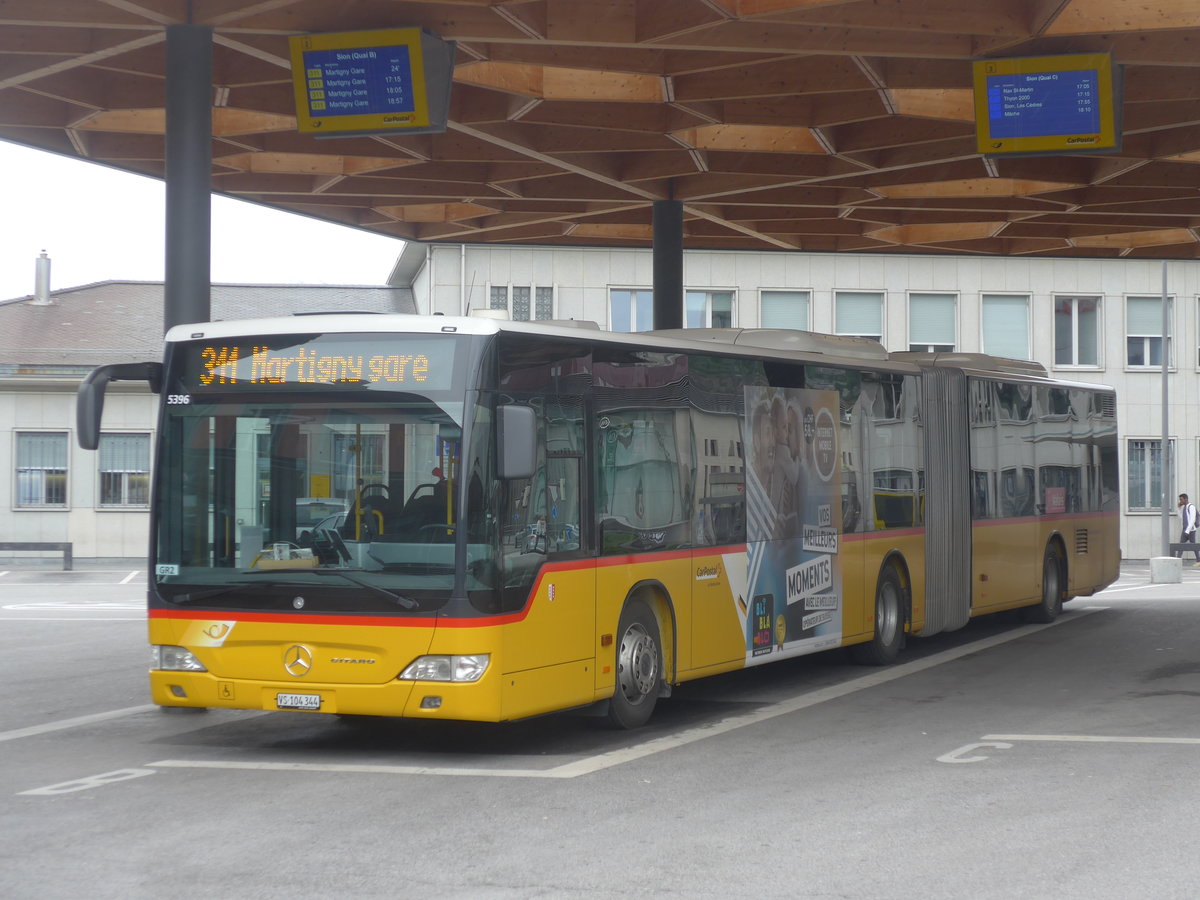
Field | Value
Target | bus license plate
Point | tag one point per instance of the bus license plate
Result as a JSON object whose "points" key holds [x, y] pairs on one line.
{"points": [[298, 701]]}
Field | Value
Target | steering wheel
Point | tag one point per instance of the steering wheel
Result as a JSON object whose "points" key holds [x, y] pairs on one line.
{"points": [[429, 534]]}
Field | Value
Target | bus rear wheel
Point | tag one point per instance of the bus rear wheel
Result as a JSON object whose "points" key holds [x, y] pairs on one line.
{"points": [[639, 667], [1052, 589], [885, 645]]}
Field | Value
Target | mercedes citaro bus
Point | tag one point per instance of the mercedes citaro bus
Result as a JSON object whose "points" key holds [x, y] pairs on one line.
{"points": [[530, 517]]}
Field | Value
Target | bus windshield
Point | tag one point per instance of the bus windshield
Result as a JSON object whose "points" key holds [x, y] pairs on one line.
{"points": [[352, 493]]}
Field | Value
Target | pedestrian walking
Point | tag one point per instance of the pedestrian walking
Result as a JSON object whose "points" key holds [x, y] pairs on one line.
{"points": [[1187, 522]]}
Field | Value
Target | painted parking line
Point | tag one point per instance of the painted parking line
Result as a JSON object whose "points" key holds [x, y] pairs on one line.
{"points": [[1089, 739], [78, 721], [614, 758], [38, 585], [77, 606], [1119, 588]]}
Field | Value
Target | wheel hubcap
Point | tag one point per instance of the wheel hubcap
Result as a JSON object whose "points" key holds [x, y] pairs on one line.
{"points": [[637, 663]]}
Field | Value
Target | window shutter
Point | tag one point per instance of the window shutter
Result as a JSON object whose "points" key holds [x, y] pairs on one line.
{"points": [[931, 319], [859, 312], [784, 309], [41, 451], [1006, 326], [1143, 316], [125, 453]]}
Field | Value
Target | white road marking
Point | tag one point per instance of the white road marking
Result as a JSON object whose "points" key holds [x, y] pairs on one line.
{"points": [[38, 585], [1118, 589], [73, 618], [352, 768], [1089, 739], [92, 781], [956, 756], [614, 758], [128, 578], [63, 724], [79, 605]]}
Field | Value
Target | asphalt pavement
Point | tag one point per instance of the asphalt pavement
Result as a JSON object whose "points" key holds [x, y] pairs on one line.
{"points": [[1004, 760]]}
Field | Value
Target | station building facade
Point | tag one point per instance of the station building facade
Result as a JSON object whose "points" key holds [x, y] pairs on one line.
{"points": [[1084, 319]]}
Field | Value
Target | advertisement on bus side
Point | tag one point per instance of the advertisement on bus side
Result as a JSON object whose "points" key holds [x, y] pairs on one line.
{"points": [[793, 522]]}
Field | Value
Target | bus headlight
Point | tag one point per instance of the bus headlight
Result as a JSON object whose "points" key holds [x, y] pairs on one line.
{"points": [[447, 668], [174, 659]]}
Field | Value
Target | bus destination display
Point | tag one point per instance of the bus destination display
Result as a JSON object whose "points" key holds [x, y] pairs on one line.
{"points": [[371, 81], [395, 365], [1044, 105]]}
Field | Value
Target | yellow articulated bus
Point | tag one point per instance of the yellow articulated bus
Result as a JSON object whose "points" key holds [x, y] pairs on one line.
{"points": [[522, 518]]}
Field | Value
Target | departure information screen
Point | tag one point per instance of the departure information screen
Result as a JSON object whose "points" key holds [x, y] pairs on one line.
{"points": [[1050, 104], [1043, 103], [371, 82]]}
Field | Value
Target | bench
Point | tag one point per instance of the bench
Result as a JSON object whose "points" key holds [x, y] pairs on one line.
{"points": [[63, 546], [1181, 549]]}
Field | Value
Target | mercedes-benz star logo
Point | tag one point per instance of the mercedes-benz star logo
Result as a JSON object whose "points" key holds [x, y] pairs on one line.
{"points": [[297, 660]]}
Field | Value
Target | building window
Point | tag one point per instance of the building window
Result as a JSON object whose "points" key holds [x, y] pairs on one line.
{"points": [[124, 470], [1077, 331], [1006, 325], [1144, 474], [708, 309], [931, 322], [784, 309], [522, 302], [1144, 331], [630, 310], [858, 314], [41, 468]]}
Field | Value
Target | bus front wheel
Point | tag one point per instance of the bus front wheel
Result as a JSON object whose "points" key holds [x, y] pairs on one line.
{"points": [[639, 667], [1052, 589], [885, 645]]}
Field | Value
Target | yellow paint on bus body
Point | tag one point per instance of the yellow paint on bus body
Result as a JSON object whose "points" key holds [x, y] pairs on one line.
{"points": [[559, 652]]}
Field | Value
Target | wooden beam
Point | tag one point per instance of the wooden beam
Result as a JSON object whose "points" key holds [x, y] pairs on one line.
{"points": [[752, 139], [1107, 16]]}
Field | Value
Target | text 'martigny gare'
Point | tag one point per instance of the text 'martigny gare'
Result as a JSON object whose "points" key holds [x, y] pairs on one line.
{"points": [[309, 367]]}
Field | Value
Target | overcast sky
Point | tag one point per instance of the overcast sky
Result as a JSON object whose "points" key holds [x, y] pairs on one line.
{"points": [[97, 224]]}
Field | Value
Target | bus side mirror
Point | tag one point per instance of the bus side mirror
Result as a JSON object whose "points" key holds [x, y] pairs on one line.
{"points": [[517, 438], [89, 402]]}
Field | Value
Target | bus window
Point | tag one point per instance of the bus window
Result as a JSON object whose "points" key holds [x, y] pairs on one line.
{"points": [[1017, 496], [639, 496], [564, 466]]}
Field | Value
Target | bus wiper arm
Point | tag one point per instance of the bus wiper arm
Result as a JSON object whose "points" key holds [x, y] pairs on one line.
{"points": [[197, 596], [398, 599]]}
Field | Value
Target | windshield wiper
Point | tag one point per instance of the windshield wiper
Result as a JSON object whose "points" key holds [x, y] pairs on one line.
{"points": [[398, 599], [197, 596]]}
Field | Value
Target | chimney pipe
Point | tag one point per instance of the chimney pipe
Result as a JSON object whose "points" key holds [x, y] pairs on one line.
{"points": [[41, 283]]}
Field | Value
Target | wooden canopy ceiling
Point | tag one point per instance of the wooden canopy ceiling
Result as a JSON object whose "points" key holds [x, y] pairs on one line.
{"points": [[825, 125]]}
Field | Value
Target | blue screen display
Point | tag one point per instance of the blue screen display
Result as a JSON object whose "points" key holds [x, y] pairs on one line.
{"points": [[1043, 104], [360, 81]]}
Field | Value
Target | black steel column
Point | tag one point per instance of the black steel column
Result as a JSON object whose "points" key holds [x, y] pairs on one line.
{"points": [[189, 174], [668, 264]]}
